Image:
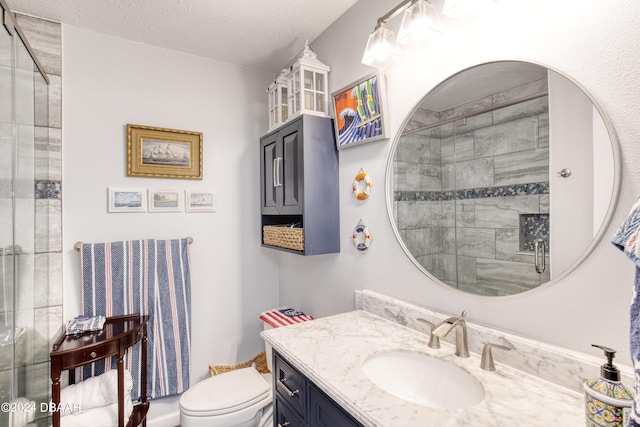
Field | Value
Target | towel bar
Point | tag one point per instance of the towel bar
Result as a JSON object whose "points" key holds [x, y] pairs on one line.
{"points": [[77, 245]]}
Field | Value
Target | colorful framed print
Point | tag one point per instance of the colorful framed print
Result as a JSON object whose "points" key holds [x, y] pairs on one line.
{"points": [[359, 112]]}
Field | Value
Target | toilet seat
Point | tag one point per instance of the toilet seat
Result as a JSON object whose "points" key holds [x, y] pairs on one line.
{"points": [[225, 393]]}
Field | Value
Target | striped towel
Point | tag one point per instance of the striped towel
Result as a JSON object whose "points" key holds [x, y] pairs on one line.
{"points": [[147, 277], [283, 316]]}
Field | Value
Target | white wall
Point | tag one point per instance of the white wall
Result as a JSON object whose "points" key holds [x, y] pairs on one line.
{"points": [[109, 82], [594, 42]]}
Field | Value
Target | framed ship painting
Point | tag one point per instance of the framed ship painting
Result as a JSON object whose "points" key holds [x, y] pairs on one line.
{"points": [[163, 153], [359, 112]]}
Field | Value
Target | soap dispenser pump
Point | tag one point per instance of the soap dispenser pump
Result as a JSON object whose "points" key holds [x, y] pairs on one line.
{"points": [[607, 400]]}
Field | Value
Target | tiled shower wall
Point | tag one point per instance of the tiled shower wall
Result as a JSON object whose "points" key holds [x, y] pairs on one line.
{"points": [[472, 194], [45, 39]]}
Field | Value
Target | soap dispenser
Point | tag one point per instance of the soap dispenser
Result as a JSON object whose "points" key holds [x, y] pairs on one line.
{"points": [[607, 400]]}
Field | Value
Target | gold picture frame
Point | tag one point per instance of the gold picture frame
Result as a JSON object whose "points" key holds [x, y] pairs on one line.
{"points": [[163, 153]]}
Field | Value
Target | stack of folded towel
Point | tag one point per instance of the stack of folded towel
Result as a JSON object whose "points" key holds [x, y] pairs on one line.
{"points": [[94, 401], [82, 324], [283, 316]]}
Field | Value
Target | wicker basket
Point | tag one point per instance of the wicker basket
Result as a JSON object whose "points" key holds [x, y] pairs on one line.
{"points": [[283, 236], [260, 365]]}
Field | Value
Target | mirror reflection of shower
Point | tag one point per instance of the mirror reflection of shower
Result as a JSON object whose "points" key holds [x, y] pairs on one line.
{"points": [[484, 189], [486, 192]]}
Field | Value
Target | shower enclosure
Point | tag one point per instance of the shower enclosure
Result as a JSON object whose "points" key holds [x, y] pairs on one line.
{"points": [[24, 342]]}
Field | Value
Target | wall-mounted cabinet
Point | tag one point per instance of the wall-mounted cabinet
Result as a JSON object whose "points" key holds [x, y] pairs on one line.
{"points": [[299, 187]]}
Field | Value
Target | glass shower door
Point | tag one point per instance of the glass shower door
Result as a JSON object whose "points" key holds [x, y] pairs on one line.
{"points": [[6, 224], [24, 345]]}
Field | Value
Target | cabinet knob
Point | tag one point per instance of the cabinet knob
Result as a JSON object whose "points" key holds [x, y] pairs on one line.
{"points": [[93, 354]]}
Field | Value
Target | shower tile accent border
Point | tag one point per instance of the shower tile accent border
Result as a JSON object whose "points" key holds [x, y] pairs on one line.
{"points": [[48, 189], [535, 188], [561, 366]]}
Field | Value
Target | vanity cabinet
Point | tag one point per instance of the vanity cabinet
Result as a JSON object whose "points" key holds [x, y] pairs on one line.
{"points": [[299, 402], [299, 184]]}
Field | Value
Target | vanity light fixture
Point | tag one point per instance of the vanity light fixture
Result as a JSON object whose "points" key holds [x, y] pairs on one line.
{"points": [[420, 22], [382, 48]]}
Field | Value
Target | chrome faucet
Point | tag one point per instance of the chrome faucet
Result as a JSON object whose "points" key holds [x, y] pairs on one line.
{"points": [[460, 325]]}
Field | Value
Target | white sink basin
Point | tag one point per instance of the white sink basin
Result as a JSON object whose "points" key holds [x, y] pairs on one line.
{"points": [[423, 380]]}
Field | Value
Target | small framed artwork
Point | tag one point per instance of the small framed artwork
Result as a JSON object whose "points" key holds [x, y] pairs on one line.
{"points": [[359, 112], [200, 201], [165, 201], [163, 153], [126, 200]]}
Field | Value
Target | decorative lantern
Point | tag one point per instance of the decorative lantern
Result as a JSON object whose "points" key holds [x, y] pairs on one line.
{"points": [[278, 100], [308, 85]]}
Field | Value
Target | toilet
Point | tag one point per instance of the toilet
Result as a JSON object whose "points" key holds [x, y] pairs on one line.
{"points": [[238, 398]]}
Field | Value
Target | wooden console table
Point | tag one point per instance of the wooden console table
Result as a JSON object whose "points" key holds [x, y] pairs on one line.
{"points": [[118, 334]]}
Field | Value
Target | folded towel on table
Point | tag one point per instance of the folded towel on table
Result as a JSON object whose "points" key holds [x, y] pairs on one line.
{"points": [[82, 324], [96, 392], [284, 316]]}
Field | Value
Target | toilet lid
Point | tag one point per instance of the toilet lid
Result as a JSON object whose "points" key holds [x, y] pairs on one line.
{"points": [[224, 393]]}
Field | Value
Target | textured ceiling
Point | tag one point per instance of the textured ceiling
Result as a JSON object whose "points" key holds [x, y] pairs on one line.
{"points": [[260, 34]]}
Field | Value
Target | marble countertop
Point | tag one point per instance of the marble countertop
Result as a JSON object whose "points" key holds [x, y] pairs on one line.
{"points": [[330, 351]]}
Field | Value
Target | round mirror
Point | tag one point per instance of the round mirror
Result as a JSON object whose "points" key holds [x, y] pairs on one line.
{"points": [[502, 179]]}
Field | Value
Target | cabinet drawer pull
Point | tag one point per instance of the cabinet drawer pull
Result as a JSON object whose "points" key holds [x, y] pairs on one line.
{"points": [[286, 423], [93, 355], [286, 389]]}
